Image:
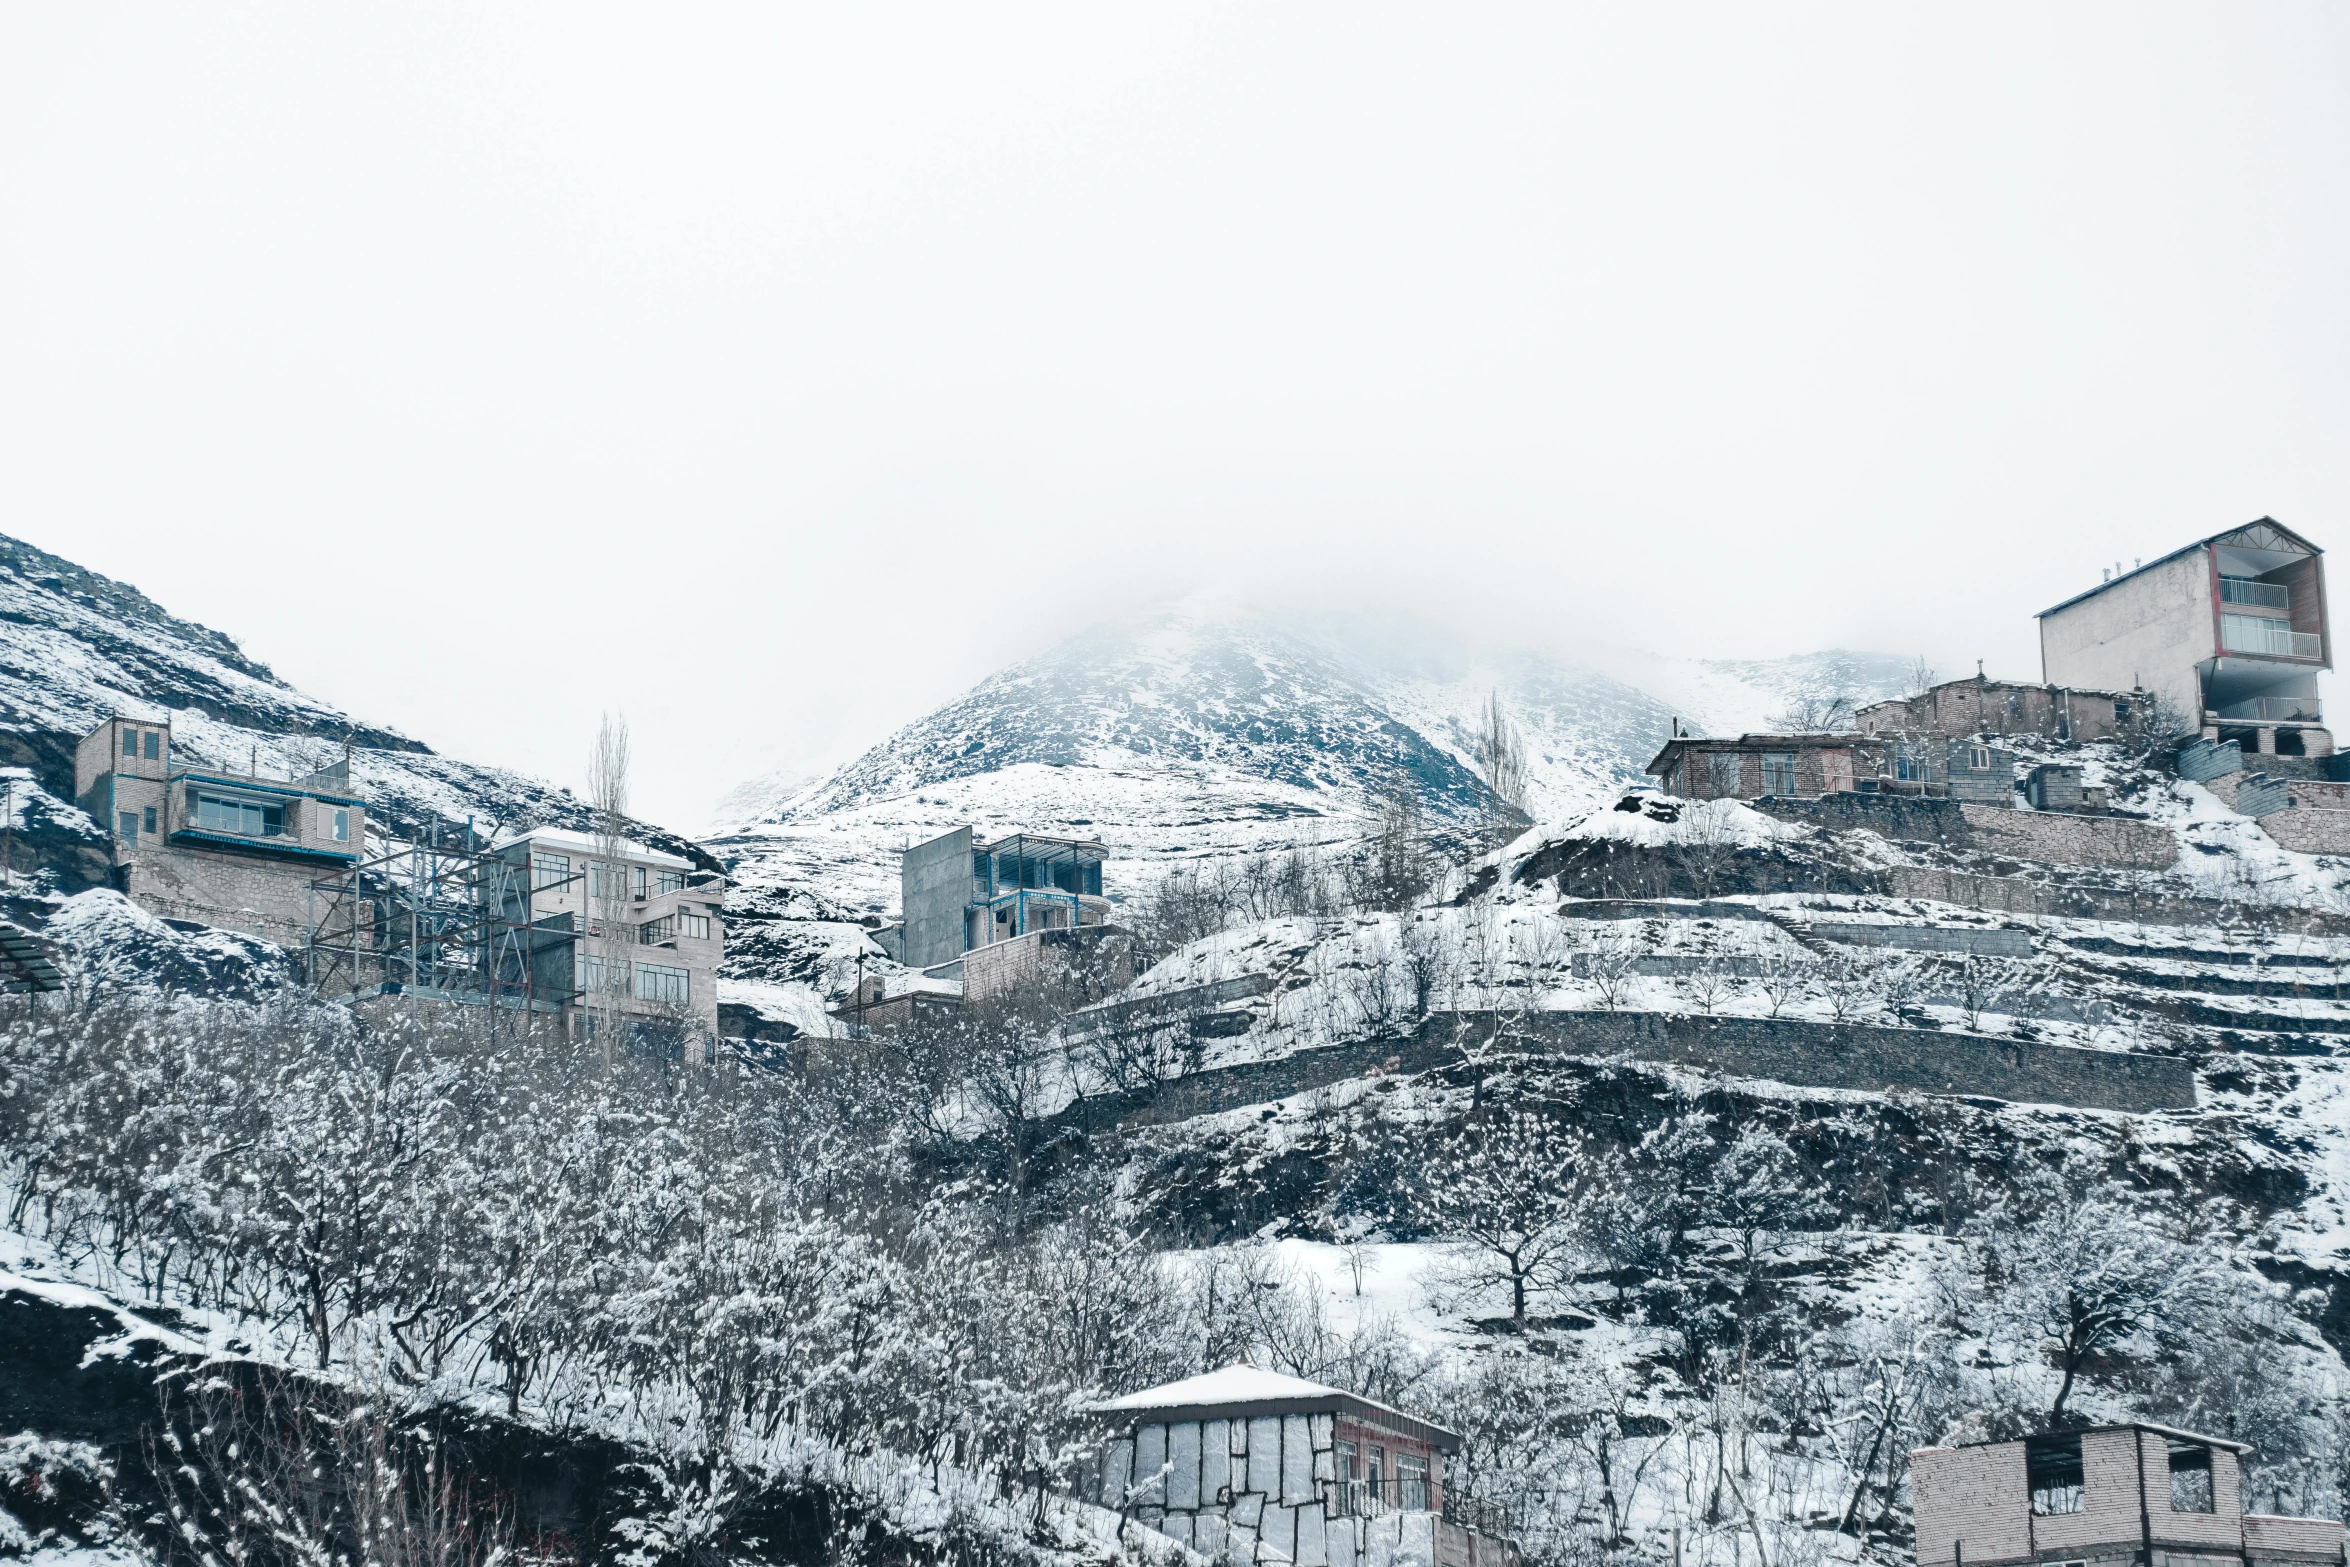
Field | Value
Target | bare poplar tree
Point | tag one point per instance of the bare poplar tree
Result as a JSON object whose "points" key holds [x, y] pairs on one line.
{"points": [[612, 934], [1501, 765]]}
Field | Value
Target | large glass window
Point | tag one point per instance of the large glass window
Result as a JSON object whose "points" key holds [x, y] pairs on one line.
{"points": [[607, 881], [655, 982], [243, 818], [2190, 1478], [548, 869], [1778, 772], [668, 881], [2052, 1470], [598, 974], [1411, 1481], [339, 825]]}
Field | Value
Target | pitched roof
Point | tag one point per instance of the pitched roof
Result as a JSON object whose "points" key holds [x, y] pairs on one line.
{"points": [[2184, 549], [1250, 1391]]}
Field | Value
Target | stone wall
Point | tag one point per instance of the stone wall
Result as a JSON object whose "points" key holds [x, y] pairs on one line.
{"points": [[2317, 822], [2052, 838], [260, 896], [1787, 1050], [2003, 941], [2013, 895]]}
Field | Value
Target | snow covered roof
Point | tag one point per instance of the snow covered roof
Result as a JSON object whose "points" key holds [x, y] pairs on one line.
{"points": [[2169, 1433], [1251, 1391], [563, 838]]}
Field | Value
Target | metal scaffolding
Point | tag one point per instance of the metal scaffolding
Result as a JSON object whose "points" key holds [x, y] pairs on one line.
{"points": [[444, 915]]}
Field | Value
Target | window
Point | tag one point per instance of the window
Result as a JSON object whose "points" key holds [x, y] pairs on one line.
{"points": [[668, 881], [1727, 770], [130, 742], [1374, 1474], [548, 870], [639, 879], [2190, 1478], [2052, 1470], [695, 927], [607, 881], [1978, 758], [129, 832], [1411, 1481], [2121, 709], [1910, 766], [655, 982], [1778, 772], [595, 974], [148, 824], [1350, 1488], [244, 818], [154, 745], [338, 825]]}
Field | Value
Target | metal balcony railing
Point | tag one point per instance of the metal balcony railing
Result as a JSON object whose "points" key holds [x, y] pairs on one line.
{"points": [[1474, 1512], [2243, 590], [2271, 710], [2263, 641], [1368, 1499]]}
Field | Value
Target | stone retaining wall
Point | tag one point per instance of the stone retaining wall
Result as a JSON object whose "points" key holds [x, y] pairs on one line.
{"points": [[2317, 822], [1787, 1050], [2055, 838]]}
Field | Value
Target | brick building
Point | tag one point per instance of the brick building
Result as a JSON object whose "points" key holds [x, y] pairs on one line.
{"points": [[1262, 1467], [223, 848], [2141, 1495]]}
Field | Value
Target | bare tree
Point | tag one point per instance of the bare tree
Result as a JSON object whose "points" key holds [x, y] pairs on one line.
{"points": [[1611, 965], [1394, 873], [1781, 977], [1813, 714], [611, 931], [1509, 1188], [1501, 765]]}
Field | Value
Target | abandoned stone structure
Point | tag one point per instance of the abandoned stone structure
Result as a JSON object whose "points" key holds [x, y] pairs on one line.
{"points": [[223, 848], [2229, 633], [1262, 1467], [2131, 1494], [1801, 766], [1964, 709]]}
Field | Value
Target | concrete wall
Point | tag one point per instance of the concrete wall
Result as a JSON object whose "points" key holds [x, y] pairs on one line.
{"points": [[2048, 838], [2151, 629], [934, 883], [2001, 942]]}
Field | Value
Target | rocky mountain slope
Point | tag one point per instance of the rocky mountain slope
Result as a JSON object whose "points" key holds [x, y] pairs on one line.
{"points": [[76, 647]]}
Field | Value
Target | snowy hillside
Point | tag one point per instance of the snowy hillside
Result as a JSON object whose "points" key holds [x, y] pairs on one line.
{"points": [[1190, 735], [76, 647]]}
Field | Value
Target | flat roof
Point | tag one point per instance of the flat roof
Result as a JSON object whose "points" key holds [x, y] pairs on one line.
{"points": [[1817, 739], [563, 837], [1250, 1391], [2184, 549], [1028, 842], [2170, 1433]]}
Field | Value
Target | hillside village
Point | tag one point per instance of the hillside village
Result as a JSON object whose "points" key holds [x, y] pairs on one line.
{"points": [[1909, 1130]]}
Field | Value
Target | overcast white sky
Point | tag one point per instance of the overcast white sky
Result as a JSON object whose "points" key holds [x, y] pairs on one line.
{"points": [[774, 374]]}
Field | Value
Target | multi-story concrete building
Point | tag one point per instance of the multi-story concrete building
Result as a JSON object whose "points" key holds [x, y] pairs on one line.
{"points": [[2113, 1496], [235, 850], [1253, 1466], [648, 928], [2229, 633], [959, 894]]}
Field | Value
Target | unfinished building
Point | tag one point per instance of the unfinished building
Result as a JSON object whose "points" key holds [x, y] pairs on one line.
{"points": [[2112, 1496], [1966, 709], [2228, 633], [191, 842]]}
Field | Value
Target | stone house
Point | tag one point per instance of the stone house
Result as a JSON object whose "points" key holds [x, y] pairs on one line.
{"points": [[1966, 709], [1262, 1467], [2140, 1495], [1805, 766], [211, 845]]}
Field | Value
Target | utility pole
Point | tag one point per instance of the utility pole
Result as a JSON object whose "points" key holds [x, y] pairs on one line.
{"points": [[8, 840]]}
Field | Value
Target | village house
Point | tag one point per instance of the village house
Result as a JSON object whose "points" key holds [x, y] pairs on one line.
{"points": [[1268, 1468], [2141, 1495], [1968, 709], [211, 845], [1805, 766], [2229, 633]]}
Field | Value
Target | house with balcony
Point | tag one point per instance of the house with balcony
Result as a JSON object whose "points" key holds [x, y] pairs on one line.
{"points": [[2143, 1495], [2228, 633], [647, 929], [212, 845], [959, 894], [1250, 1465]]}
